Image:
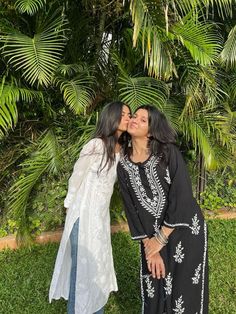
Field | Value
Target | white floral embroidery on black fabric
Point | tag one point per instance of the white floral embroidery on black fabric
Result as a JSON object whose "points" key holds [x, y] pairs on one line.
{"points": [[156, 226], [150, 290], [197, 275], [155, 204], [179, 309], [167, 177], [179, 255], [168, 287], [195, 225]]}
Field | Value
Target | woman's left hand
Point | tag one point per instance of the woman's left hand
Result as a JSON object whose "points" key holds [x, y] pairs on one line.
{"points": [[152, 247]]}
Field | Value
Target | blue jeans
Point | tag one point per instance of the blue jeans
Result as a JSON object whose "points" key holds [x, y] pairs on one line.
{"points": [[74, 252]]}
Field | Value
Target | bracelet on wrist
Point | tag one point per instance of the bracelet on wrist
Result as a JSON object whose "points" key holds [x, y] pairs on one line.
{"points": [[160, 237]]}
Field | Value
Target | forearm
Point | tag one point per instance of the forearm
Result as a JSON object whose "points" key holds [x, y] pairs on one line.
{"points": [[167, 231]]}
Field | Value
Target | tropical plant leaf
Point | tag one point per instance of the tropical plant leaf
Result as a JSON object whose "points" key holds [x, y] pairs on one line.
{"points": [[45, 159], [183, 7], [172, 110], [150, 25], [137, 91], [84, 134], [228, 54], [77, 92], [10, 94], [29, 6], [70, 70], [232, 86], [199, 38], [208, 131], [39, 56]]}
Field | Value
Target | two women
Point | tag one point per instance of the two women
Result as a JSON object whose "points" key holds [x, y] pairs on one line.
{"points": [[84, 272], [161, 212], [163, 215]]}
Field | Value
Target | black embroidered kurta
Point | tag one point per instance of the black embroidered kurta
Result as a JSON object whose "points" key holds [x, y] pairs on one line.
{"points": [[155, 194]]}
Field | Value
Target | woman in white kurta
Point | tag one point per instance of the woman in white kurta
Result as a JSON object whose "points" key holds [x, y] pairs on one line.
{"points": [[87, 201]]}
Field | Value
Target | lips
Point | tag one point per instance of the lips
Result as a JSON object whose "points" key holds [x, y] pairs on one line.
{"points": [[132, 125]]}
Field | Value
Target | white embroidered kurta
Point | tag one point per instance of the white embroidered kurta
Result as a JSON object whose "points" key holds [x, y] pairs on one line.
{"points": [[88, 199]]}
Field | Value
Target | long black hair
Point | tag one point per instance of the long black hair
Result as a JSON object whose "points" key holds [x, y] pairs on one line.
{"points": [[161, 132], [106, 128]]}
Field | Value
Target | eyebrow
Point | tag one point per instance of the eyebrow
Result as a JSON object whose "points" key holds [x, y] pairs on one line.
{"points": [[140, 116]]}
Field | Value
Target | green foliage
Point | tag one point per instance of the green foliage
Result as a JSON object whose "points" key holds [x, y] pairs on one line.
{"points": [[47, 158], [77, 94], [10, 94], [116, 206], [29, 272], [220, 191], [61, 65], [142, 90], [228, 54], [29, 6], [37, 57]]}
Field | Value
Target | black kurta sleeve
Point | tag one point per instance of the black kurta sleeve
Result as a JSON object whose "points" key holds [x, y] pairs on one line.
{"points": [[182, 207], [135, 225]]}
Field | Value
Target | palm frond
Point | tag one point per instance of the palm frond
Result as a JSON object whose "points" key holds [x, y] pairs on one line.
{"points": [[136, 91], [39, 56], [70, 70], [77, 92], [228, 54], [10, 94], [29, 6], [172, 110], [45, 159], [224, 7], [199, 38], [196, 130], [150, 25], [232, 86], [208, 132], [183, 7], [80, 137]]}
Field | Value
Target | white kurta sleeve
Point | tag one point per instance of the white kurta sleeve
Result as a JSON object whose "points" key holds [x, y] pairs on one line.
{"points": [[91, 151]]}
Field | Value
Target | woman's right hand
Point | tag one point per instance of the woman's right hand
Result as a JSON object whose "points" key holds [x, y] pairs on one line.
{"points": [[156, 266]]}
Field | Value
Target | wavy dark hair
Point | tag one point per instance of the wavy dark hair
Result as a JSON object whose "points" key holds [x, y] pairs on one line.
{"points": [[106, 128], [161, 133]]}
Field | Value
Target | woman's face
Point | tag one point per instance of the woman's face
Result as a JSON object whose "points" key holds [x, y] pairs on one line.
{"points": [[138, 124], [125, 117]]}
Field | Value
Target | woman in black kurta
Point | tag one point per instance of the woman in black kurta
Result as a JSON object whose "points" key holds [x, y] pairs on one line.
{"points": [[157, 194]]}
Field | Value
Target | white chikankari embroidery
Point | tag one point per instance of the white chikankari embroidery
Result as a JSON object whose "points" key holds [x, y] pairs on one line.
{"points": [[203, 267], [168, 180], [150, 290], [197, 275], [179, 255], [168, 287], [156, 226], [179, 309], [155, 204], [195, 225], [141, 280], [139, 237]]}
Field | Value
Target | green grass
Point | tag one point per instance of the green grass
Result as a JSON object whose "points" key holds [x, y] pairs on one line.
{"points": [[25, 275]]}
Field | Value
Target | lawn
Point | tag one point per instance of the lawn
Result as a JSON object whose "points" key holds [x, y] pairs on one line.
{"points": [[25, 275]]}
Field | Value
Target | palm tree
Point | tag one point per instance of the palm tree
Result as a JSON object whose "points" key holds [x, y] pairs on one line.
{"points": [[172, 56]]}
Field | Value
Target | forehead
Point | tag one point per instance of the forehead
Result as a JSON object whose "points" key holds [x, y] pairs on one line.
{"points": [[141, 113], [125, 109]]}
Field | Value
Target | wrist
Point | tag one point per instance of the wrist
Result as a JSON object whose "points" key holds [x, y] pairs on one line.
{"points": [[161, 238], [145, 240]]}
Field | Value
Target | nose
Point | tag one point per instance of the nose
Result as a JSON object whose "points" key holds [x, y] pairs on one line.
{"points": [[127, 118]]}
